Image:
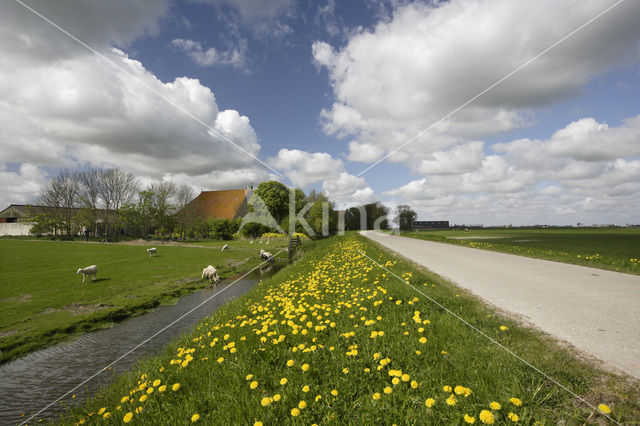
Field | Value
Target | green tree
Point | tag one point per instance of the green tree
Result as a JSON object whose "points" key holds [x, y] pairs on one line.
{"points": [[405, 217], [275, 196]]}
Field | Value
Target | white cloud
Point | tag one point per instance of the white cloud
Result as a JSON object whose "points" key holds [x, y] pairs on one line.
{"points": [[394, 80], [234, 56], [459, 159], [347, 190], [73, 109], [22, 185]]}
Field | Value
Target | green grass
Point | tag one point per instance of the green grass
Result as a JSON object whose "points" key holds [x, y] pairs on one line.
{"points": [[321, 312], [616, 249], [43, 301]]}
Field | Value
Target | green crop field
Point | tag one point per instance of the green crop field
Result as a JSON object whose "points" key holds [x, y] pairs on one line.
{"points": [[335, 339], [616, 249], [43, 301]]}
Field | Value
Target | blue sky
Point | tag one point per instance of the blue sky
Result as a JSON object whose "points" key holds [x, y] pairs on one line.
{"points": [[320, 90]]}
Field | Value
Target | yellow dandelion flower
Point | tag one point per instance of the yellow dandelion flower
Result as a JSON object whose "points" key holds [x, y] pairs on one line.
{"points": [[414, 384], [447, 388], [253, 384], [290, 363], [459, 390], [175, 387], [487, 417], [106, 415], [195, 418], [127, 417], [334, 392], [150, 391], [277, 397], [388, 390], [495, 405], [515, 401], [367, 370], [162, 388], [143, 398], [249, 377], [469, 419], [266, 401], [423, 340], [138, 410], [102, 410], [220, 360], [405, 377], [451, 401], [305, 389], [318, 398], [376, 395], [257, 424], [156, 383], [345, 370], [305, 367], [395, 381], [604, 408], [430, 402], [302, 404], [295, 412], [283, 381], [513, 417], [124, 399], [504, 328]]}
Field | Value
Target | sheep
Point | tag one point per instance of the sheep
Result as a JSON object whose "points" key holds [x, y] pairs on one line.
{"points": [[225, 247], [268, 241], [266, 255], [260, 242], [89, 270], [251, 242], [152, 251], [211, 274]]}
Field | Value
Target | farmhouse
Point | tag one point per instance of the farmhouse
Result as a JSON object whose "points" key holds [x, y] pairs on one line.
{"points": [[17, 219], [225, 204], [430, 225]]}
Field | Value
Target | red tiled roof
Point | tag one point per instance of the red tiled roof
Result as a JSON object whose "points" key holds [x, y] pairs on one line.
{"points": [[226, 204]]}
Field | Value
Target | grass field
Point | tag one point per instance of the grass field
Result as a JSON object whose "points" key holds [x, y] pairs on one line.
{"points": [[334, 339], [43, 301], [616, 249]]}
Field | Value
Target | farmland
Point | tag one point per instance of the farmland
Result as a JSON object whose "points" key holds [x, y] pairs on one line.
{"points": [[616, 249], [337, 339], [43, 301]]}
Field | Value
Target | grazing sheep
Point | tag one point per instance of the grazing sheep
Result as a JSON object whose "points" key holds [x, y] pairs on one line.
{"points": [[225, 247], [266, 255], [211, 274], [152, 251], [89, 270], [251, 242], [260, 242], [269, 240]]}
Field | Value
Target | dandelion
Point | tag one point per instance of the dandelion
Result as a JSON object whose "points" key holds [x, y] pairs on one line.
{"points": [[290, 363], [150, 391], [305, 367], [513, 417], [162, 388], [469, 419], [345, 370], [124, 399], [257, 424], [295, 412], [495, 405], [515, 401], [430, 402], [334, 392], [447, 389], [486, 417], [143, 398], [388, 390], [277, 397], [604, 408], [395, 381], [127, 417], [302, 404], [451, 401], [138, 410], [106, 415], [376, 396], [423, 340], [265, 401], [503, 328], [156, 383], [283, 381], [253, 384], [249, 377], [102, 410], [414, 384], [195, 418], [305, 389], [175, 387], [405, 377], [318, 398]]}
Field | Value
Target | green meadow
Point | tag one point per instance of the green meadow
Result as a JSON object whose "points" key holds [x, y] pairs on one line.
{"points": [[616, 249], [336, 339], [43, 301]]}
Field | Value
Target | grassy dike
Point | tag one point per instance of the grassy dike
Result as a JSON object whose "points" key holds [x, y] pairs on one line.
{"points": [[334, 339], [43, 301]]}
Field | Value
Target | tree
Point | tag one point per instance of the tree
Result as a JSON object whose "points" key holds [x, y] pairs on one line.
{"points": [[366, 216], [275, 196], [184, 194], [62, 195], [405, 217], [90, 196], [117, 188], [164, 194]]}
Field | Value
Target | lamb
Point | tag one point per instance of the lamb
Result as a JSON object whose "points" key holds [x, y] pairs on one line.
{"points": [[89, 270], [211, 274], [225, 247], [268, 241], [152, 251], [266, 255]]}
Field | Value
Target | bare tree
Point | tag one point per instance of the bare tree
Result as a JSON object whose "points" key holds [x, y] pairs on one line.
{"points": [[90, 194], [184, 194], [62, 195], [164, 194], [117, 188]]}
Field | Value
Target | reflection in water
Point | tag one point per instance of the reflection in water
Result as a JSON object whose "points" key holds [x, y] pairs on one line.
{"points": [[30, 383]]}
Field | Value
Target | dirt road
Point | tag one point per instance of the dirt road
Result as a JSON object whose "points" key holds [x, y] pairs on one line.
{"points": [[595, 310]]}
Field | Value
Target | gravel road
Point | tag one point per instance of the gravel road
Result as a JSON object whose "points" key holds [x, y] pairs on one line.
{"points": [[595, 310]]}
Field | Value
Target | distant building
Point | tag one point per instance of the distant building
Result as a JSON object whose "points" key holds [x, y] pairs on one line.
{"points": [[225, 204], [17, 219], [430, 225]]}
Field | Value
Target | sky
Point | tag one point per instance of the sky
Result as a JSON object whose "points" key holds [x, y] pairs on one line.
{"points": [[365, 100]]}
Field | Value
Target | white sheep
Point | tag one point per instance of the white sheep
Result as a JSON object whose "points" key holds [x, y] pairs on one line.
{"points": [[269, 240], [251, 242], [225, 247], [211, 274], [152, 251], [266, 255], [89, 270], [260, 242]]}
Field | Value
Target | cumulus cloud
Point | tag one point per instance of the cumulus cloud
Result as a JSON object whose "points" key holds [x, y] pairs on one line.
{"points": [[74, 109], [304, 168], [392, 81], [234, 56], [22, 185]]}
